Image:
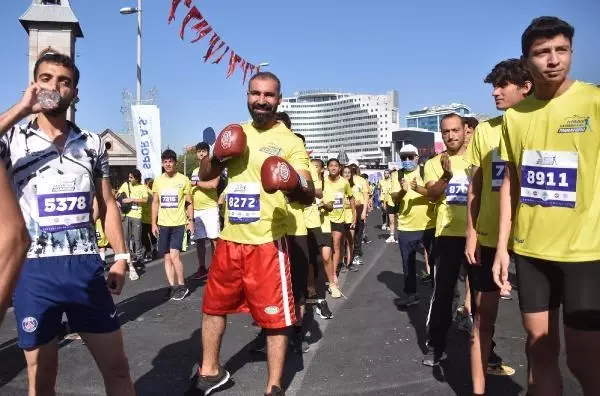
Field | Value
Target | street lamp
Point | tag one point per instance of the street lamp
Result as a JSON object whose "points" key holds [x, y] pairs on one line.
{"points": [[137, 10]]}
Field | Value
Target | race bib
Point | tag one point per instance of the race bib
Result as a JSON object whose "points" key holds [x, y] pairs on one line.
{"points": [[497, 170], [64, 202], [338, 201], [243, 202], [195, 178], [456, 191], [169, 198], [549, 178]]}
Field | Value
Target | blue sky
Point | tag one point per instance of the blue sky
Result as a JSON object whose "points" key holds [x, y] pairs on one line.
{"points": [[432, 52]]}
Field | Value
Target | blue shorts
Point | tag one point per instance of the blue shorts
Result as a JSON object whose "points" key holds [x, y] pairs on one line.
{"points": [[170, 238], [50, 286]]}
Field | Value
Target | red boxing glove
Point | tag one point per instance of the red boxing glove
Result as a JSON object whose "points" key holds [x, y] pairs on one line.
{"points": [[230, 143], [276, 174]]}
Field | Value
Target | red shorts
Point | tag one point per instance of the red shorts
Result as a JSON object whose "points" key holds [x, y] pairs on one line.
{"points": [[251, 278]]}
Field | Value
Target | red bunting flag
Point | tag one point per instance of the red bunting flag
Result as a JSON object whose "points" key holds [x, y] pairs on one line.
{"points": [[216, 62], [174, 6], [194, 13], [211, 53]]}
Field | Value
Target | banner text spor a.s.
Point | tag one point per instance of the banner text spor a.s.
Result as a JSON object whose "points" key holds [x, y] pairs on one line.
{"points": [[146, 130]]}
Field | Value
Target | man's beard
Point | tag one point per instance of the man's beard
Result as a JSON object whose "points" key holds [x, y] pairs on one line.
{"points": [[262, 118], [63, 106]]}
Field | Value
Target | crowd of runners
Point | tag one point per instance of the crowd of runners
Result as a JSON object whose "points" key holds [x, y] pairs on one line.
{"points": [[519, 188]]}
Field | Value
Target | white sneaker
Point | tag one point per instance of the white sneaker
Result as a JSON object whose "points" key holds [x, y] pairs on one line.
{"points": [[383, 227], [335, 291], [133, 275], [391, 239]]}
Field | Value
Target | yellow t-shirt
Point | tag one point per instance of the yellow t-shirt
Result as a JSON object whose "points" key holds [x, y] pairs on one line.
{"points": [[312, 216], [147, 208], [100, 235], [253, 216], [555, 147], [336, 192], [385, 187], [482, 152], [203, 198], [360, 186], [139, 191], [451, 207], [171, 199], [416, 212]]}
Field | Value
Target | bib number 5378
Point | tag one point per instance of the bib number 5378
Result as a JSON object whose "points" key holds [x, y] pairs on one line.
{"points": [[64, 204]]}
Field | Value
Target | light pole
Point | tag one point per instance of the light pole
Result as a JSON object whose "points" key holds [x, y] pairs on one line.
{"points": [[137, 10]]}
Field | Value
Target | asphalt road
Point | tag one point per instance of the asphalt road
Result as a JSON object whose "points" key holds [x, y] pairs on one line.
{"points": [[369, 347]]}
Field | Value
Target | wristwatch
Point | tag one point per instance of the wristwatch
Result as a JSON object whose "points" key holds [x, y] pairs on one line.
{"points": [[123, 256]]}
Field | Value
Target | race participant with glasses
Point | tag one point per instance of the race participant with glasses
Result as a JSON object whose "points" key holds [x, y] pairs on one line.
{"points": [[350, 218], [511, 84], [361, 200], [335, 191], [416, 220], [549, 199], [446, 180], [56, 170], [206, 212], [170, 193], [267, 166], [319, 243]]}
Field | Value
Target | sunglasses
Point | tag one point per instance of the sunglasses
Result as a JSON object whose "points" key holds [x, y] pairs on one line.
{"points": [[407, 157]]}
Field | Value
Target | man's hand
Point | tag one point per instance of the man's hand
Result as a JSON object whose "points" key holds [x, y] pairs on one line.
{"points": [[404, 185], [472, 249], [116, 277], [327, 206], [500, 270], [127, 200], [191, 227], [29, 102], [363, 215], [446, 164], [155, 230], [413, 184]]}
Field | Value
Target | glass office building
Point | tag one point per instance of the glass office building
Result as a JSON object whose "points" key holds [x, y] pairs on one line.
{"points": [[429, 118]]}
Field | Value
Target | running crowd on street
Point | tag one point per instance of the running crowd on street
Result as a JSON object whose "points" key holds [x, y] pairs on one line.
{"points": [[520, 188]]}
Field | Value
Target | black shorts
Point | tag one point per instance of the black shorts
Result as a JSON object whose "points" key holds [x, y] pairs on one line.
{"points": [[480, 276], [298, 252], [318, 238], [170, 238], [339, 227], [545, 285], [391, 210]]}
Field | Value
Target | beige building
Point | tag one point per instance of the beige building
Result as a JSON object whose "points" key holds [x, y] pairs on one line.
{"points": [[121, 155], [52, 27]]}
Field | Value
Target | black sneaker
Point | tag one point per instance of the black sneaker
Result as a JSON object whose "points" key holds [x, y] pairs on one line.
{"points": [[179, 293], [168, 293], [299, 345], [322, 309], [353, 268], [426, 279], [275, 391], [344, 268], [494, 360], [434, 357], [208, 383]]}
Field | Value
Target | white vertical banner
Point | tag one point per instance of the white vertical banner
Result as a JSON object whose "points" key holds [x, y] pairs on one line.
{"points": [[146, 130]]}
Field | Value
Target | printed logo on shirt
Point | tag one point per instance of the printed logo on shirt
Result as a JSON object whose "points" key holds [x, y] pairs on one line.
{"points": [[574, 124], [271, 149], [271, 310]]}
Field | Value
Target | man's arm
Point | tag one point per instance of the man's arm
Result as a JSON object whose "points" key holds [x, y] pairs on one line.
{"points": [[509, 197], [473, 205], [210, 168], [155, 203], [207, 185], [27, 105], [354, 214], [14, 241]]}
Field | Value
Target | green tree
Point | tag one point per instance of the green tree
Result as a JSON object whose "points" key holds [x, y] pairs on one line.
{"points": [[191, 162]]}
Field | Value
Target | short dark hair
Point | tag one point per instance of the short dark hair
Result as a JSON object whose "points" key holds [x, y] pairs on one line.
{"points": [[285, 118], [472, 122], [168, 154], [59, 59], [137, 175], [452, 115], [202, 146], [330, 160], [301, 136], [545, 27], [148, 180], [266, 76], [320, 161], [509, 71]]}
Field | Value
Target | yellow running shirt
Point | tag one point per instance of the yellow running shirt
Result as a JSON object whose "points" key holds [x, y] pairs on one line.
{"points": [[555, 146], [147, 208], [139, 191], [416, 212], [336, 192], [171, 199], [312, 217], [203, 198], [451, 207], [483, 153], [253, 216], [360, 186]]}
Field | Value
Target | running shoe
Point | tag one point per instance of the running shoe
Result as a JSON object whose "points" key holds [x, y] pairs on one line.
{"points": [[322, 309], [407, 301], [180, 292], [434, 357], [209, 383]]}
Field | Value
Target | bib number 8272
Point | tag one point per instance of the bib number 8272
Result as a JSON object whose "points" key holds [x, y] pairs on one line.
{"points": [[546, 178], [62, 204], [242, 203]]}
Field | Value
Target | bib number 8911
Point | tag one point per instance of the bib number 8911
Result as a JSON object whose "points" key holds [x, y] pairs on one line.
{"points": [[62, 204], [546, 178]]}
